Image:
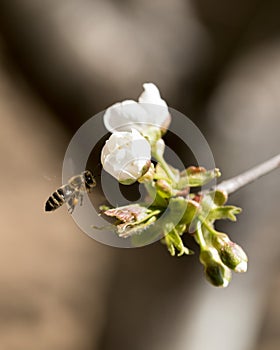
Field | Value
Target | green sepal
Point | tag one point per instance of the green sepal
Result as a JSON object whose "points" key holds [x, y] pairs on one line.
{"points": [[197, 176], [167, 220], [159, 201], [224, 212], [125, 230], [161, 174], [164, 188], [183, 210], [181, 228], [174, 242], [191, 211]]}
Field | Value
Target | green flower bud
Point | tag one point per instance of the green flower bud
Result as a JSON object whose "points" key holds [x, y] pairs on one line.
{"points": [[215, 271], [219, 197], [234, 257], [231, 254]]}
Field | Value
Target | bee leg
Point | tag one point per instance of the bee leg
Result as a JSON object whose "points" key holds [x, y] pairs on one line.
{"points": [[72, 203], [71, 209]]}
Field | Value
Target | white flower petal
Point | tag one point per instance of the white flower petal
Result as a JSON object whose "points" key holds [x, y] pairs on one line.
{"points": [[154, 105], [151, 95], [123, 116], [151, 110], [125, 155]]}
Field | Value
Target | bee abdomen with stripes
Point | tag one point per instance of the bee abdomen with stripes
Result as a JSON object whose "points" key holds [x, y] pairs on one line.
{"points": [[72, 192]]}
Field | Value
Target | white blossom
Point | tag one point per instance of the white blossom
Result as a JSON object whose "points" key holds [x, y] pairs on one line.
{"points": [[126, 156], [150, 111]]}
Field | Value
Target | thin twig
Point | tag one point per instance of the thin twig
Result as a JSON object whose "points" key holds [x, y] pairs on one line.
{"points": [[233, 184]]}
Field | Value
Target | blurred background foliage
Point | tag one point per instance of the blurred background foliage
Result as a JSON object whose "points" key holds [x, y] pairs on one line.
{"points": [[62, 62]]}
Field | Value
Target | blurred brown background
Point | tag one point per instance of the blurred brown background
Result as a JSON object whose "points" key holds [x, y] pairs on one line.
{"points": [[63, 61]]}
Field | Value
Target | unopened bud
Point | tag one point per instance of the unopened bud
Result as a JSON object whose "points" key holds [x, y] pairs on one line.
{"points": [[126, 156], [231, 254], [215, 271], [234, 257]]}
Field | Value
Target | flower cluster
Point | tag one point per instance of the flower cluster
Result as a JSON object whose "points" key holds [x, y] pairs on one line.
{"points": [[137, 129]]}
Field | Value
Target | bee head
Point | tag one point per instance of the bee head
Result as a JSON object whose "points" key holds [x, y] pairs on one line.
{"points": [[89, 179]]}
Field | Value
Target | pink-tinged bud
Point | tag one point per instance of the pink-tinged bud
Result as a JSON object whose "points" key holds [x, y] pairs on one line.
{"points": [[234, 257], [231, 254]]}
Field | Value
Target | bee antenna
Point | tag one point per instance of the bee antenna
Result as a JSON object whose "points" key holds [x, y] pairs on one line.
{"points": [[94, 169]]}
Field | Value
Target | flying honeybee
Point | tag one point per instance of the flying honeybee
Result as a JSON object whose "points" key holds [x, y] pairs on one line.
{"points": [[72, 192]]}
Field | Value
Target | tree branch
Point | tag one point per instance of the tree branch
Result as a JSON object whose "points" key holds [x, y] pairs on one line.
{"points": [[233, 184]]}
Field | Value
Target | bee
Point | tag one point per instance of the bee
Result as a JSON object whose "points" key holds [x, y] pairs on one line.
{"points": [[72, 192]]}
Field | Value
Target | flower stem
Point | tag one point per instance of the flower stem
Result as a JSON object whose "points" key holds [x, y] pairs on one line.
{"points": [[209, 227], [159, 158], [235, 183], [199, 236]]}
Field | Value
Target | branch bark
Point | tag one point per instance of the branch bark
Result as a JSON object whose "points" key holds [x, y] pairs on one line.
{"points": [[235, 183]]}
